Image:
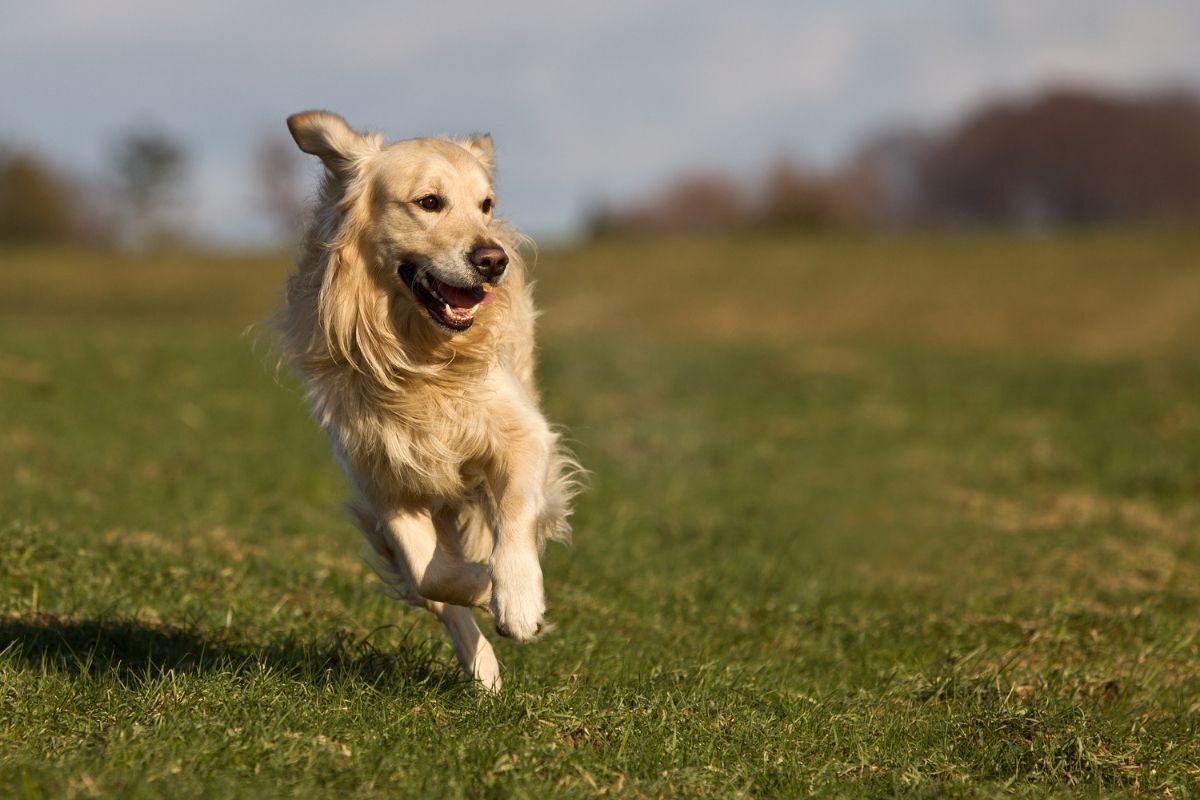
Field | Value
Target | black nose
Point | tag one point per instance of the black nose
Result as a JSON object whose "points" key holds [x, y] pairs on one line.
{"points": [[489, 260]]}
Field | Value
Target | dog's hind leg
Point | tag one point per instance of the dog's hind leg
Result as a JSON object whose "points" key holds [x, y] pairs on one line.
{"points": [[381, 555], [474, 651], [408, 559], [435, 571]]}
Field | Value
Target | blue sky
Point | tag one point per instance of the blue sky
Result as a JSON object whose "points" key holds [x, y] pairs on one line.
{"points": [[586, 101]]}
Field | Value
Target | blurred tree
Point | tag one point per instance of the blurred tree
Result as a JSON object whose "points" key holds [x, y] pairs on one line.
{"points": [[150, 169], [693, 202], [1063, 157], [35, 202], [880, 185], [1068, 157], [279, 169], [794, 197]]}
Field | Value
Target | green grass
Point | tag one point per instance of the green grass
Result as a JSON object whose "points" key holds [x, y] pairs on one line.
{"points": [[896, 516]]}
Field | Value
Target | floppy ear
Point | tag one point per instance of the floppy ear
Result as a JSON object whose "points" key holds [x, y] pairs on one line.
{"points": [[328, 137], [480, 146]]}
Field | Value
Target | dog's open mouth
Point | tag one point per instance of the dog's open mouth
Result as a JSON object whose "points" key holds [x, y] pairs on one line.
{"points": [[448, 305]]}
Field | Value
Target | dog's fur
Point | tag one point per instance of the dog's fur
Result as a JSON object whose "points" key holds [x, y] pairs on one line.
{"points": [[460, 480]]}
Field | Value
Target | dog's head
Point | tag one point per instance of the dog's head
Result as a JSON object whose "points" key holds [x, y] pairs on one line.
{"points": [[421, 211]]}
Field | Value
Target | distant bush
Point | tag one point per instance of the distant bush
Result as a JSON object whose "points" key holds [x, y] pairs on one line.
{"points": [[696, 202], [35, 204]]}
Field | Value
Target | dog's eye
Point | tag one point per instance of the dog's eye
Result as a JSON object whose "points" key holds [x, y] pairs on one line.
{"points": [[486, 205], [430, 202]]}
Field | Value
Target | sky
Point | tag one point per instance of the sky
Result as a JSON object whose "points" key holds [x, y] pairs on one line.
{"points": [[587, 102]]}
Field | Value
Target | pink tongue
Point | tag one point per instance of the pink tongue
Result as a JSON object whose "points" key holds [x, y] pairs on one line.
{"points": [[460, 298]]}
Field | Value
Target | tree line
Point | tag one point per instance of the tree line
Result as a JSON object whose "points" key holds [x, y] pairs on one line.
{"points": [[140, 201], [1062, 157]]}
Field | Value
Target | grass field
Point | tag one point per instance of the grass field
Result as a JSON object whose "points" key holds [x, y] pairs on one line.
{"points": [[868, 517]]}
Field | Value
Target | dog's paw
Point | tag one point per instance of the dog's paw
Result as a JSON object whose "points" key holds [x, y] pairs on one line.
{"points": [[518, 602], [544, 626], [485, 670]]}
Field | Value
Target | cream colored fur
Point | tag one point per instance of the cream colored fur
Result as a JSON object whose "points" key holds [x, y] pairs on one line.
{"points": [[459, 478]]}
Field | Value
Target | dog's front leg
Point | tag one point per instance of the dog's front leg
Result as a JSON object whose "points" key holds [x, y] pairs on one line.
{"points": [[518, 599]]}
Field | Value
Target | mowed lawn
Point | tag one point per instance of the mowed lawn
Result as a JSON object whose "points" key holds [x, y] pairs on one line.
{"points": [[910, 515]]}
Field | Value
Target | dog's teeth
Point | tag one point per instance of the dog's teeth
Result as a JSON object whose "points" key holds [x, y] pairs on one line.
{"points": [[429, 288], [475, 308], [487, 287]]}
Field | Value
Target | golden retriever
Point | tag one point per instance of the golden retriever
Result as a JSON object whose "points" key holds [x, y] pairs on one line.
{"points": [[410, 318]]}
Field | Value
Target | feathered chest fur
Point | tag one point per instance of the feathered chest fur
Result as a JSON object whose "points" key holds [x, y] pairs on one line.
{"points": [[422, 437]]}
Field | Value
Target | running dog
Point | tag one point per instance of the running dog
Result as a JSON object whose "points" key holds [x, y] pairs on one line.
{"points": [[410, 317]]}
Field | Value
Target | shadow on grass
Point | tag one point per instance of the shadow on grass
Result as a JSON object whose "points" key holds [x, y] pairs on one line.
{"points": [[132, 651]]}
